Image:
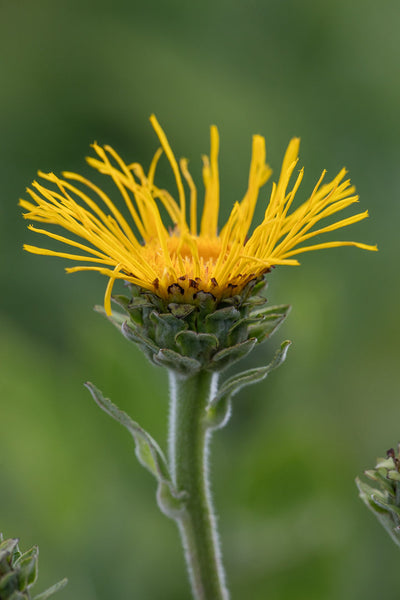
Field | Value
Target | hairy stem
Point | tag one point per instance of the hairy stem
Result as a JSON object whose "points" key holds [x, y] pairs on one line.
{"points": [[188, 454]]}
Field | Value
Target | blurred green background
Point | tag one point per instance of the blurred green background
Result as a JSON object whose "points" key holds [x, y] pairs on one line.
{"points": [[283, 471]]}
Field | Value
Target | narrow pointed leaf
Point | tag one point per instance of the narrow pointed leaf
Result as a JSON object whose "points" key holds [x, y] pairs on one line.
{"points": [[147, 450], [268, 321], [384, 512], [235, 383], [381, 479], [133, 335], [27, 566], [172, 360], [7, 548], [228, 356], [240, 331], [279, 309], [122, 301], [116, 318], [52, 590], [391, 508]]}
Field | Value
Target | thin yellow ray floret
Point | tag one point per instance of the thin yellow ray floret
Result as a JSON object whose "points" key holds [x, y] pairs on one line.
{"points": [[209, 220], [172, 259], [174, 165], [183, 163]]}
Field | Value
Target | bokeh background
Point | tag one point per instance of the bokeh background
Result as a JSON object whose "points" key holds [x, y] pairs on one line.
{"points": [[283, 470]]}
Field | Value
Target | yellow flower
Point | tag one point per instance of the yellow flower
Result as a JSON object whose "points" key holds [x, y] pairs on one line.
{"points": [[178, 260]]}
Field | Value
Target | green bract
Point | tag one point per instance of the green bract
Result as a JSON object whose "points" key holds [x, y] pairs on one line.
{"points": [[204, 335]]}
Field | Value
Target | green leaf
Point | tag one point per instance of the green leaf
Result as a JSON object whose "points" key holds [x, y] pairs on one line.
{"points": [[52, 590], [27, 566], [17, 596], [226, 357], [220, 321], [366, 494], [254, 301], [385, 483], [116, 318], [205, 302], [232, 385], [181, 310], [387, 514], [218, 414], [122, 301], [9, 584], [171, 503], [196, 345], [278, 309], [391, 508], [172, 360], [239, 332], [393, 475], [7, 549], [134, 306], [376, 500], [385, 463], [148, 451], [166, 327], [133, 335], [269, 320]]}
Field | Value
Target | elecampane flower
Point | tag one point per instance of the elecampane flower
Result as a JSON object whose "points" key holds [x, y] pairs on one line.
{"points": [[177, 260]]}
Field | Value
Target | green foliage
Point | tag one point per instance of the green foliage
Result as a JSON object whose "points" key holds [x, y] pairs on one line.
{"points": [[19, 571], [148, 452], [268, 320], [220, 405], [384, 499]]}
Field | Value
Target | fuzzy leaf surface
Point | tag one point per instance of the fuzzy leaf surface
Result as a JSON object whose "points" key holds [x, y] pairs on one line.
{"points": [[52, 590], [268, 321], [27, 566], [196, 345], [116, 318], [133, 335], [228, 356], [232, 385], [148, 451], [7, 549], [387, 514], [170, 359]]}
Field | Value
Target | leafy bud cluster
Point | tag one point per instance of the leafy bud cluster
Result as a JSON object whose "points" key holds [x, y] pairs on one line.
{"points": [[384, 499], [19, 571]]}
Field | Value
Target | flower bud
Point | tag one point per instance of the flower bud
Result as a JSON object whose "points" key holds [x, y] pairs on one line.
{"points": [[383, 499], [18, 572]]}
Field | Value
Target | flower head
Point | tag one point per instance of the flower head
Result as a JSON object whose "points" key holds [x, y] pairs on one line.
{"points": [[177, 260]]}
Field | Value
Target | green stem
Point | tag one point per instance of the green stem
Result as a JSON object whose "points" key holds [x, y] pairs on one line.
{"points": [[188, 454]]}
